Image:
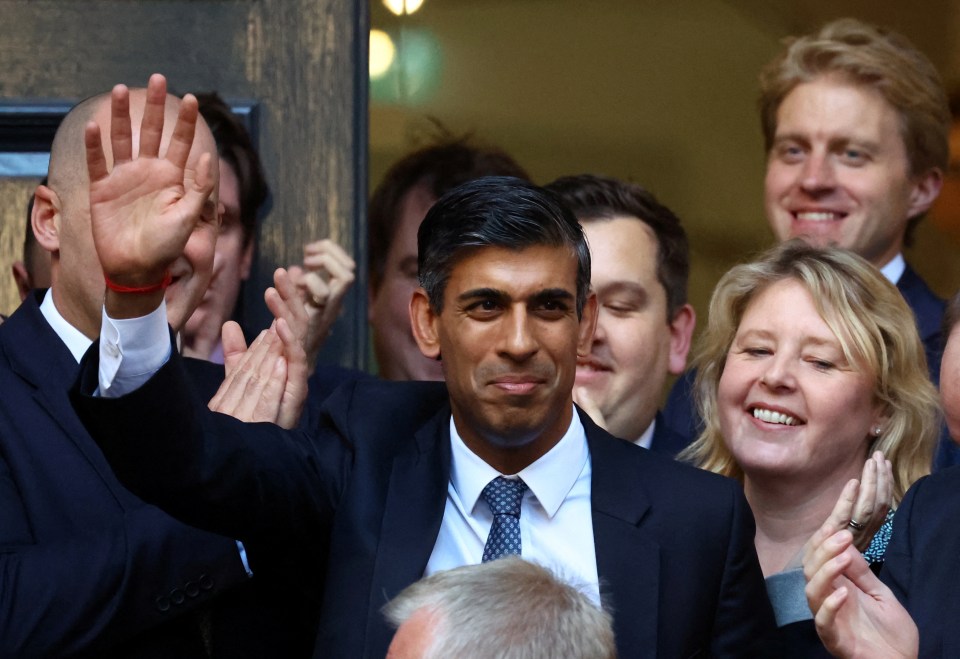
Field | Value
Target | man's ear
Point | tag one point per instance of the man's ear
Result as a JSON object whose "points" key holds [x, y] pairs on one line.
{"points": [[423, 320], [588, 324], [246, 260], [46, 218], [681, 337], [22, 277], [926, 188]]}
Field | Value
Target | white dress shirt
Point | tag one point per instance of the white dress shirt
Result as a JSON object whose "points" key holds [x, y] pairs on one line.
{"points": [[893, 270], [645, 440], [556, 524], [75, 340]]}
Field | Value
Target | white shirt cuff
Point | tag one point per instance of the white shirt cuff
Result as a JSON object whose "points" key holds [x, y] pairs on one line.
{"points": [[131, 351]]}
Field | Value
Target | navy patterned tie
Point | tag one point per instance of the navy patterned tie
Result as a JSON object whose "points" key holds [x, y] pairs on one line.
{"points": [[503, 495]]}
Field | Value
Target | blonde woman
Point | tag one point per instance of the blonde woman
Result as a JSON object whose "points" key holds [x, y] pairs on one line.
{"points": [[811, 374]]}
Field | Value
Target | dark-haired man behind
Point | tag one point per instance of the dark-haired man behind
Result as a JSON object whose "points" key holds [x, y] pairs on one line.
{"points": [[408, 190], [640, 264], [388, 487]]}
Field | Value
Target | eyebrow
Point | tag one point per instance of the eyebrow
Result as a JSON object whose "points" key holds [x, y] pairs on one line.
{"points": [[547, 294]]}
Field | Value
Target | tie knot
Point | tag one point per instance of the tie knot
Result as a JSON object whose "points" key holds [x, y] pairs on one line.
{"points": [[503, 495]]}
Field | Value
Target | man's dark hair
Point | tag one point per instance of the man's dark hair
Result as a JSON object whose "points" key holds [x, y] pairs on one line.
{"points": [[496, 211], [236, 149], [439, 168], [597, 198]]}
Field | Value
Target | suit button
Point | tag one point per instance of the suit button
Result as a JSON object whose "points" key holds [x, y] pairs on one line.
{"points": [[177, 596], [206, 582], [163, 604], [192, 589]]}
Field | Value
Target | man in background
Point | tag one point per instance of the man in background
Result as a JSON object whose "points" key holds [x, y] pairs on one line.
{"points": [[640, 266]]}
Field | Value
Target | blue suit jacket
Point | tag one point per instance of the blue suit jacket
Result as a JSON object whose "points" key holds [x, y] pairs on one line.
{"points": [[357, 505], [87, 568], [923, 559]]}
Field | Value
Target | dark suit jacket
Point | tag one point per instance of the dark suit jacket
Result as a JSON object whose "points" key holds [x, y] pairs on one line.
{"points": [[361, 500], [666, 440], [923, 559], [88, 569]]}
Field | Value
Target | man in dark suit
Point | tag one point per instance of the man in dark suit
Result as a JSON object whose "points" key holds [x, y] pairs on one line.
{"points": [[855, 123], [388, 487], [639, 271], [90, 569]]}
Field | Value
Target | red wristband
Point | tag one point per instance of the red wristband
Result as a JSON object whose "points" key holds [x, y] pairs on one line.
{"points": [[141, 290]]}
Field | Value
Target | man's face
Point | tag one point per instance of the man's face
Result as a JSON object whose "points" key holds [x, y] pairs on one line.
{"points": [[509, 336], [398, 357], [838, 171], [231, 264], [80, 276], [630, 354]]}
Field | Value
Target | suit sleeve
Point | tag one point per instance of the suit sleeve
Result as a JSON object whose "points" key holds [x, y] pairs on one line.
{"points": [[744, 623], [82, 594], [898, 560], [246, 481]]}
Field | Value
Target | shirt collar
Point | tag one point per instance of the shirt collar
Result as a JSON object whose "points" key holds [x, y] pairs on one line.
{"points": [[646, 438], [75, 340], [550, 478], [893, 270]]}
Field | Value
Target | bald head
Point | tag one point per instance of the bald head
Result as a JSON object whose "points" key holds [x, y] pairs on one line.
{"points": [[68, 172], [61, 219]]}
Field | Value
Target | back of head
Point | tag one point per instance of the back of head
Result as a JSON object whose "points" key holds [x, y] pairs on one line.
{"points": [[495, 211], [235, 147], [873, 57], [877, 333], [439, 168], [593, 198], [506, 609]]}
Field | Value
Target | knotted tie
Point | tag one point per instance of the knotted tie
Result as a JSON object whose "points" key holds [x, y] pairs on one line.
{"points": [[503, 495]]}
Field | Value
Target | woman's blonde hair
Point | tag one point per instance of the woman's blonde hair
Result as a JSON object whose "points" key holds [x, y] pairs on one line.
{"points": [[877, 333]]}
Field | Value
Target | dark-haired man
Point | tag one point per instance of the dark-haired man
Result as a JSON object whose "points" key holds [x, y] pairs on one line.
{"points": [[399, 480], [408, 190], [639, 268]]}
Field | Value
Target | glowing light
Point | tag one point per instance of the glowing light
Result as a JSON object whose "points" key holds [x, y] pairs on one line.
{"points": [[402, 7], [382, 53]]}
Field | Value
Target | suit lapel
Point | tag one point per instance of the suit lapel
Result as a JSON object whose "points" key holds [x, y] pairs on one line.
{"points": [[411, 521], [628, 562], [37, 355]]}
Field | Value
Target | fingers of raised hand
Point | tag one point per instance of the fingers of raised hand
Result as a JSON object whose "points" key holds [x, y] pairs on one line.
{"points": [[151, 126], [183, 131], [825, 573], [121, 137], [295, 382], [96, 160], [873, 500]]}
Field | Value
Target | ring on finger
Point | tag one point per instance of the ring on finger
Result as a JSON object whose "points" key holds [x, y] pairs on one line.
{"points": [[855, 525]]}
